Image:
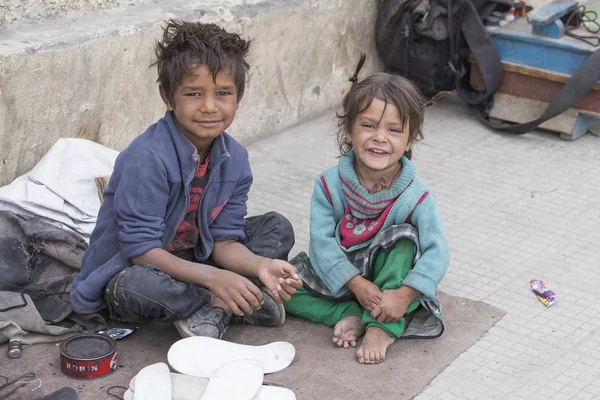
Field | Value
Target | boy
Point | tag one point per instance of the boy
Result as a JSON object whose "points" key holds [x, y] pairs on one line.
{"points": [[175, 206]]}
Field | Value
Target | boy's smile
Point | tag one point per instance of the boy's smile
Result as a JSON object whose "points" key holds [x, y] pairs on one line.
{"points": [[204, 107]]}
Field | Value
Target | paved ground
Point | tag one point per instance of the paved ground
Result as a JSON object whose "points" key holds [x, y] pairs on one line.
{"points": [[515, 208]]}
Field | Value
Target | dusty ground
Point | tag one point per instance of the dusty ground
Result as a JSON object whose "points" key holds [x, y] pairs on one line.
{"points": [[319, 371]]}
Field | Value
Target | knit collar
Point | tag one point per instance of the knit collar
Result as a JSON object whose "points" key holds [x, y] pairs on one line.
{"points": [[362, 203], [186, 149]]}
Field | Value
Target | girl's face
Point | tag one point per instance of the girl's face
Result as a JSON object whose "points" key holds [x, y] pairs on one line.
{"points": [[379, 140]]}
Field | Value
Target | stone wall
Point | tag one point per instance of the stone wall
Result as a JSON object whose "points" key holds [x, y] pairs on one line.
{"points": [[88, 77]]}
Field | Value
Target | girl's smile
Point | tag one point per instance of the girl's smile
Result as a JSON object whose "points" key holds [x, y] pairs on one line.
{"points": [[379, 139]]}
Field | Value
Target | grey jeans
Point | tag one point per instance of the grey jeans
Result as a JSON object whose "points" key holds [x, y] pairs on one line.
{"points": [[144, 293]]}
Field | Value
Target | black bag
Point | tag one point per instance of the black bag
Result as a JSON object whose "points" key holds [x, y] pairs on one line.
{"points": [[421, 40]]}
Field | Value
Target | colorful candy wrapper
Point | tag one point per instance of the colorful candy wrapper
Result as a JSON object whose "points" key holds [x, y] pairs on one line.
{"points": [[546, 296]]}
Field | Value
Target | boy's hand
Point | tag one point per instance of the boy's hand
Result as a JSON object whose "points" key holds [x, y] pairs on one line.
{"points": [[237, 292], [280, 277], [394, 303], [367, 293]]}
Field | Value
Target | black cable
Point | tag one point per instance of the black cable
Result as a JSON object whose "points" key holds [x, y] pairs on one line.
{"points": [[116, 395], [29, 375], [38, 296], [588, 16], [17, 306]]}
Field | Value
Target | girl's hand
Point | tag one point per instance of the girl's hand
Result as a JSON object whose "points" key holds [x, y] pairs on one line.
{"points": [[393, 304], [367, 293]]}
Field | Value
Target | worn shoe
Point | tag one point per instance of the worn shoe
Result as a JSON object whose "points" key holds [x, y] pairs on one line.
{"points": [[206, 321], [269, 314]]}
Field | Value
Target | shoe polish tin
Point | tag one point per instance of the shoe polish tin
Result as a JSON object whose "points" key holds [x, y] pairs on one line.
{"points": [[88, 356]]}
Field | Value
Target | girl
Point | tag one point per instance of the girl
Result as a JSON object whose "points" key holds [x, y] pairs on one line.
{"points": [[377, 247]]}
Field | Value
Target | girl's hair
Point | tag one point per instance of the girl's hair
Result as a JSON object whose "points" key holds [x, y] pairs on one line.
{"points": [[393, 89]]}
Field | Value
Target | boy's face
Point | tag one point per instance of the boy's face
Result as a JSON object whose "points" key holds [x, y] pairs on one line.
{"points": [[204, 107]]}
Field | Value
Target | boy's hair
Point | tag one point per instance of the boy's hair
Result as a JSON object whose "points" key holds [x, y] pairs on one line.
{"points": [[393, 89], [185, 45]]}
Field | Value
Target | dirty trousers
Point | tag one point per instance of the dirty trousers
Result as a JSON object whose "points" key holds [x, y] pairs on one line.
{"points": [[388, 272], [144, 293]]}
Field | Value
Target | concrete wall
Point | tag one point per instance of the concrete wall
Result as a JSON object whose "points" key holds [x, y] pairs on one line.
{"points": [[89, 77], [15, 11]]}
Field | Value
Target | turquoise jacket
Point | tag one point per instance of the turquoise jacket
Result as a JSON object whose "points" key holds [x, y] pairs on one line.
{"points": [[331, 260]]}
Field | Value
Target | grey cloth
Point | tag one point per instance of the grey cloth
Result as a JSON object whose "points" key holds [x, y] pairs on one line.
{"points": [[38, 262]]}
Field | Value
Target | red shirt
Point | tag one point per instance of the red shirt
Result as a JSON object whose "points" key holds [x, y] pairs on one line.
{"points": [[187, 234]]}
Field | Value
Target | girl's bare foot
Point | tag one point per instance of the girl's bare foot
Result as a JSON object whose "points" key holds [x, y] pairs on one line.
{"points": [[347, 331], [374, 345]]}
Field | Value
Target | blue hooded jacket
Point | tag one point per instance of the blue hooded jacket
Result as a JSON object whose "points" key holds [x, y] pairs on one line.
{"points": [[147, 198]]}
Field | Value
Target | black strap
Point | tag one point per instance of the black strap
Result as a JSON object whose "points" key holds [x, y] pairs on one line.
{"points": [[576, 87], [452, 38], [484, 50], [359, 65]]}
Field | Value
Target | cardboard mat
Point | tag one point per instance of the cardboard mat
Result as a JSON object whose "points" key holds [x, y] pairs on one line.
{"points": [[320, 371]]}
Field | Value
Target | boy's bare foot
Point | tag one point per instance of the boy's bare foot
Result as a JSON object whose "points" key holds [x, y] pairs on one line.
{"points": [[347, 331], [374, 345]]}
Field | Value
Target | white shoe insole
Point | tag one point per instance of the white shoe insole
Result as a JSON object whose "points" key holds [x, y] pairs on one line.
{"points": [[154, 383], [186, 387], [239, 380], [128, 395], [201, 356]]}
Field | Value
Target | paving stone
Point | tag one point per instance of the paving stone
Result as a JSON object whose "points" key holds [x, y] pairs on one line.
{"points": [[514, 208]]}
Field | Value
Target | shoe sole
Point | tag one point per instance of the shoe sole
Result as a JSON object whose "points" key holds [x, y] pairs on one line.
{"points": [[186, 387], [200, 356], [282, 310], [239, 380], [183, 329], [280, 306], [154, 382]]}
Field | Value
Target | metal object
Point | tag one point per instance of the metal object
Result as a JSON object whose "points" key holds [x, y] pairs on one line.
{"points": [[546, 21], [15, 350], [529, 42], [88, 356], [538, 58]]}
